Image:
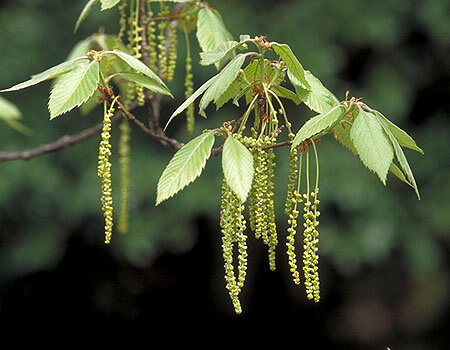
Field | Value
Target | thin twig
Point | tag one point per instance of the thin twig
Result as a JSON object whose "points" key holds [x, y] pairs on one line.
{"points": [[161, 137], [61, 143]]}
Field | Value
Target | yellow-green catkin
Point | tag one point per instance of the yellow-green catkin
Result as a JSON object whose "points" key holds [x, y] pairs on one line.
{"points": [[271, 224], [172, 58], [233, 225], [259, 192], [292, 179], [292, 230], [261, 203], [137, 48], [104, 171], [124, 163], [293, 199], [151, 39], [311, 239], [130, 94], [122, 24], [161, 40], [189, 85]]}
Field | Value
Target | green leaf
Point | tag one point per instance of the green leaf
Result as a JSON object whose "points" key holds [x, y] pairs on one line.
{"points": [[292, 63], [191, 99], [84, 13], [241, 93], [146, 82], [281, 91], [402, 137], [232, 91], [224, 79], [211, 57], [395, 170], [10, 114], [171, 0], [74, 88], [237, 164], [399, 153], [211, 31], [50, 73], [137, 65], [9, 110], [319, 123], [372, 144], [185, 166], [343, 136], [317, 97], [79, 50], [109, 4]]}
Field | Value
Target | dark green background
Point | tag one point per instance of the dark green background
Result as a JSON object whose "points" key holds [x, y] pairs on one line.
{"points": [[384, 254]]}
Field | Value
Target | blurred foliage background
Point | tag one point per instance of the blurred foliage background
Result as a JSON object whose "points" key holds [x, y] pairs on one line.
{"points": [[384, 254]]}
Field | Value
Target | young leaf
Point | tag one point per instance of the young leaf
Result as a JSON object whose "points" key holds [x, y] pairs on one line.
{"points": [[343, 137], [84, 13], [185, 166], [211, 31], [399, 154], [137, 65], [319, 123], [237, 165], [402, 137], [232, 91], [146, 82], [281, 91], [74, 88], [9, 110], [292, 63], [372, 144], [224, 79], [342, 134], [109, 4], [317, 97], [210, 57], [191, 99], [395, 170], [50, 73]]}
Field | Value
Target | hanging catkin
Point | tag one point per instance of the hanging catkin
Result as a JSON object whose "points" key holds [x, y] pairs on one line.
{"points": [[124, 163], [233, 224], [104, 170]]}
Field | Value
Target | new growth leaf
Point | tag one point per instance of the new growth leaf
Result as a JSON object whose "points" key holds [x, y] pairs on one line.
{"points": [[185, 166]]}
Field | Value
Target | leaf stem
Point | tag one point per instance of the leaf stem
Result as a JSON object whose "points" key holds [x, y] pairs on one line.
{"points": [[288, 124], [246, 114], [317, 165]]}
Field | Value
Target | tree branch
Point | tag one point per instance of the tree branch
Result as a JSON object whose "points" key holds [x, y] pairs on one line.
{"points": [[161, 137], [61, 143]]}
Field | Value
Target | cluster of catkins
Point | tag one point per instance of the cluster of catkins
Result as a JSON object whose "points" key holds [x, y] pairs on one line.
{"points": [[161, 39], [262, 217], [310, 202]]}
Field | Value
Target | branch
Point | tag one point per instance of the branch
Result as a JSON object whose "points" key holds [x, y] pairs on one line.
{"points": [[63, 142], [161, 137]]}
